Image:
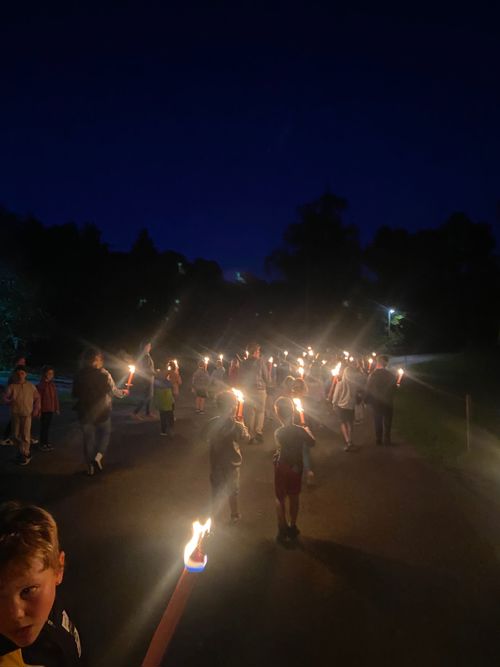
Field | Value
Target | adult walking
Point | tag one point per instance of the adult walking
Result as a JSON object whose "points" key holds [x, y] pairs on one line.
{"points": [[347, 392], [380, 394], [93, 389], [254, 379], [146, 374]]}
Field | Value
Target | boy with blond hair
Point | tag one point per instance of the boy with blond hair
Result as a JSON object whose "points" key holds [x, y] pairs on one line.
{"points": [[34, 628]]}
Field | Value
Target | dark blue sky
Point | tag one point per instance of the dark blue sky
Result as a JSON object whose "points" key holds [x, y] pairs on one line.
{"points": [[209, 126]]}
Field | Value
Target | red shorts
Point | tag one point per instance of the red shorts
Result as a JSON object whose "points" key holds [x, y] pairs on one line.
{"points": [[287, 482]]}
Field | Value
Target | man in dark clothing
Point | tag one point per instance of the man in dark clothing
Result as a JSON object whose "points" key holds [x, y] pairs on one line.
{"points": [[380, 394]]}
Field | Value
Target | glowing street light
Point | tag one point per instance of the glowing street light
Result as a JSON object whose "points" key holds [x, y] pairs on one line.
{"points": [[390, 313]]}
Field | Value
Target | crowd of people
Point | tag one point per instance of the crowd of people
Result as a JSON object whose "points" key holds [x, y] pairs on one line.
{"points": [[34, 627]]}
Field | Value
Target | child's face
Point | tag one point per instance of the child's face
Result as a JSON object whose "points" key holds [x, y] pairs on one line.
{"points": [[26, 600], [49, 375], [21, 376]]}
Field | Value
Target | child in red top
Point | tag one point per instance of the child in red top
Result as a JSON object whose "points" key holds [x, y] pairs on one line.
{"points": [[49, 401]]}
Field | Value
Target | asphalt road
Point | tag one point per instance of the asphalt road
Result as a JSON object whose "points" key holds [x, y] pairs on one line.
{"points": [[394, 565]]}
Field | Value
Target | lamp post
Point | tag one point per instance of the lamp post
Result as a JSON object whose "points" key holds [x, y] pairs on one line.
{"points": [[390, 313]]}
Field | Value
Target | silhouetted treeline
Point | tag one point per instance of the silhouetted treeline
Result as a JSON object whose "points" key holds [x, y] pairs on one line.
{"points": [[61, 288]]}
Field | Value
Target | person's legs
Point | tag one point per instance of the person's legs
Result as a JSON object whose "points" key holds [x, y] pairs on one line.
{"points": [[45, 422], [8, 430], [293, 501], [378, 421], [249, 416], [345, 427], [15, 423], [170, 421], [88, 432], [387, 419], [202, 404], [260, 412], [163, 421], [102, 437]]}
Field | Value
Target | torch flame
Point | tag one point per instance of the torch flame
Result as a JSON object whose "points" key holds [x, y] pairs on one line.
{"points": [[336, 370], [238, 394], [323, 362], [206, 359], [301, 371], [221, 357], [194, 559], [271, 360], [370, 361], [311, 353], [131, 368], [401, 372], [374, 354], [298, 404], [300, 361], [285, 353]]}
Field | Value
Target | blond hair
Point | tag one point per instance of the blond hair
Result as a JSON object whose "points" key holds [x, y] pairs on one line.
{"points": [[27, 532]]}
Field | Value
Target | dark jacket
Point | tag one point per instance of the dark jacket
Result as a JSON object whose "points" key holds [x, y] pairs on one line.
{"points": [[380, 388]]}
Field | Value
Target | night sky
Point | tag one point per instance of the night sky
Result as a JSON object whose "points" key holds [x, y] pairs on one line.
{"points": [[209, 126]]}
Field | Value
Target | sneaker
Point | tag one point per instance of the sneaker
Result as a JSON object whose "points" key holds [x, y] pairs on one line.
{"points": [[292, 532], [98, 462], [165, 435], [34, 441], [202, 412], [259, 437], [235, 518], [23, 460], [7, 441], [282, 537], [309, 478], [46, 448], [348, 447], [90, 470]]}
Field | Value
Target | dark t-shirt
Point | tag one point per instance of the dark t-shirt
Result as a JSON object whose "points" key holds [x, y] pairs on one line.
{"points": [[381, 387], [290, 441], [57, 645], [92, 391]]}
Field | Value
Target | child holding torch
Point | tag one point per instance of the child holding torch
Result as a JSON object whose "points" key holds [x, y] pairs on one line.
{"points": [[224, 434], [291, 440]]}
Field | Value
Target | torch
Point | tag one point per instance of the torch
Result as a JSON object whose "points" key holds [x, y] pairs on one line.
{"points": [[194, 561], [298, 406], [335, 378], [285, 353], [206, 360], [241, 400], [370, 364], [301, 371], [221, 357], [128, 384], [401, 372]]}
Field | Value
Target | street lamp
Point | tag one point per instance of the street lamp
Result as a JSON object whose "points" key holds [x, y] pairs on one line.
{"points": [[390, 313]]}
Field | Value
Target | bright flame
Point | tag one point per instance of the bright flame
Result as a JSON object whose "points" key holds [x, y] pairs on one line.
{"points": [[271, 360], [238, 394], [221, 357], [298, 404], [285, 353], [351, 359], [370, 361], [131, 368], [206, 359], [194, 559], [311, 353], [323, 361], [336, 370], [301, 371], [374, 354], [176, 363], [304, 354], [401, 372], [300, 361], [309, 347]]}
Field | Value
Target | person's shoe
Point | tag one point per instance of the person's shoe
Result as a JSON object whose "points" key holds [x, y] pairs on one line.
{"points": [[197, 411], [98, 462], [90, 470], [7, 442], [23, 460], [34, 441], [202, 412], [292, 532], [259, 437], [136, 416], [235, 518], [46, 448], [348, 447], [282, 537], [165, 435], [310, 478]]}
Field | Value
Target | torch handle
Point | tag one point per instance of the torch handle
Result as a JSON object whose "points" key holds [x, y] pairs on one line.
{"points": [[169, 621]]}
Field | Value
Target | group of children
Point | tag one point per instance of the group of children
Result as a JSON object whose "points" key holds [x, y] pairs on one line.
{"points": [[27, 401]]}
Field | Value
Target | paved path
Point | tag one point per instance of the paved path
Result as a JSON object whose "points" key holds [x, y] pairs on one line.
{"points": [[394, 565]]}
